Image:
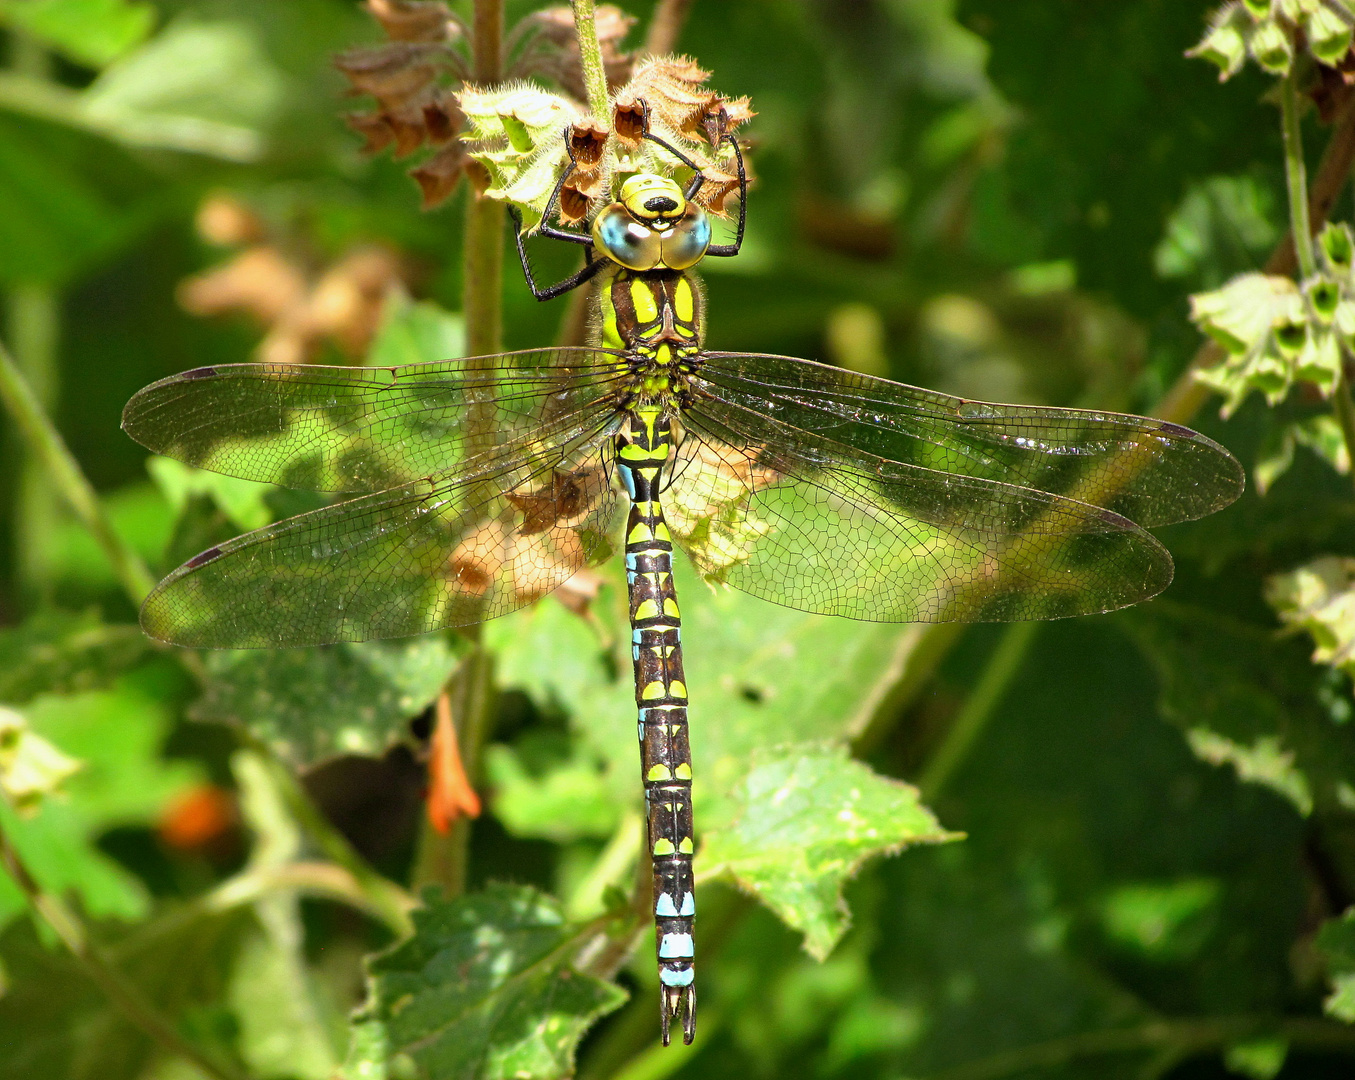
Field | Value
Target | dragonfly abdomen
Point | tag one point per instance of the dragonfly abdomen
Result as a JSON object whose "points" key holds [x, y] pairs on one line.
{"points": [[643, 453]]}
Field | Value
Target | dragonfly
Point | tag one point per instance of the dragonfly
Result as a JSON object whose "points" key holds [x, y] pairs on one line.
{"points": [[477, 486]]}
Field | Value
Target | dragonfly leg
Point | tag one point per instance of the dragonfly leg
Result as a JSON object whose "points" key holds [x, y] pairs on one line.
{"points": [[550, 292], [694, 187]]}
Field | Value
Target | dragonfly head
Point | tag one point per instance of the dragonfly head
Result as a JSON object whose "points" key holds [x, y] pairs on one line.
{"points": [[652, 225]]}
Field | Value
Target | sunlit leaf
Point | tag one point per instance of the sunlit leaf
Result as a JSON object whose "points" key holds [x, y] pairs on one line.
{"points": [[117, 734], [809, 819], [94, 32], [485, 990], [314, 704]]}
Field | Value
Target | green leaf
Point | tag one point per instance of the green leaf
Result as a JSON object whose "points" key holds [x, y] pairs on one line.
{"points": [[314, 704], [67, 206], [1223, 226], [485, 989], [1319, 597], [117, 735], [1260, 1059], [569, 801], [1247, 701], [57, 652], [55, 1022], [242, 501], [416, 332], [808, 821], [1336, 942], [93, 32], [203, 86]]}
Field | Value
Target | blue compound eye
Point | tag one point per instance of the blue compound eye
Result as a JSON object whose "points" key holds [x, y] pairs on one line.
{"points": [[686, 242], [623, 239]]}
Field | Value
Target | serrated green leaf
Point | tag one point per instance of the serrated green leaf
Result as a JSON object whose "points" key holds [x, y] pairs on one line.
{"points": [[56, 652], [1249, 702], [1336, 942], [314, 704], [808, 820], [93, 32], [486, 989], [1319, 597]]}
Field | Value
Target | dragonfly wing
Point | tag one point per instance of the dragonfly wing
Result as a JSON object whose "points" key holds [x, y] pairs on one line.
{"points": [[431, 553], [360, 428], [818, 526], [1151, 471]]}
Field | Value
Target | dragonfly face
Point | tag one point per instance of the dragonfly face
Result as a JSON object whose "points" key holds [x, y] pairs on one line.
{"points": [[477, 487], [651, 227]]}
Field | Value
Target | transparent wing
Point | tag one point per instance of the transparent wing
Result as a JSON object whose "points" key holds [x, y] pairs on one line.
{"points": [[431, 553], [1150, 471], [822, 527], [359, 428]]}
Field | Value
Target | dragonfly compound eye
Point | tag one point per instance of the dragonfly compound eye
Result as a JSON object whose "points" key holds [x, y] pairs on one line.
{"points": [[686, 242], [621, 238]]}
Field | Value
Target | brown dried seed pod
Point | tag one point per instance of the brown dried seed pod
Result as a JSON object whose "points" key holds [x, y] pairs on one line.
{"points": [[392, 73], [412, 20], [438, 176], [442, 117], [376, 133], [573, 205], [628, 121], [588, 142]]}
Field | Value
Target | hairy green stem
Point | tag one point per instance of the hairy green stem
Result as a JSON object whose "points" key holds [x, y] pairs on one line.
{"points": [[1296, 176], [121, 993], [590, 56], [46, 445], [1184, 1037], [978, 708]]}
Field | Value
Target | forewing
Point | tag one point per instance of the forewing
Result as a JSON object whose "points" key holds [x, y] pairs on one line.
{"points": [[431, 553], [1150, 471], [818, 526], [360, 428]]}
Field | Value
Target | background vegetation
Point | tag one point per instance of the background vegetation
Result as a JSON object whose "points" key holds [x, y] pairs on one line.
{"points": [[1007, 199]]}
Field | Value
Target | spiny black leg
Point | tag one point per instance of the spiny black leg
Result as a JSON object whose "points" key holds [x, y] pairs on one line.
{"points": [[588, 272], [724, 251], [718, 250]]}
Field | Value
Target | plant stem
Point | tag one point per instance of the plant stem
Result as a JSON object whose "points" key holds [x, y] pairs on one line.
{"points": [[1295, 175], [1344, 408], [665, 27], [590, 56], [978, 708], [47, 446], [444, 859], [384, 898], [123, 994], [482, 256], [34, 314]]}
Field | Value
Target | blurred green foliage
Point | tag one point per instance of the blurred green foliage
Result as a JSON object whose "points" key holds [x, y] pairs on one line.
{"points": [[1149, 832]]}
